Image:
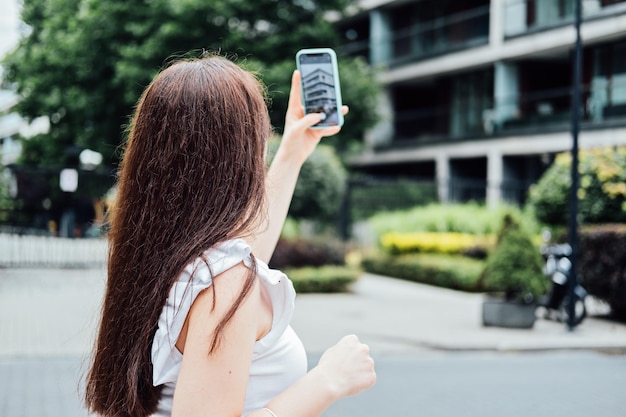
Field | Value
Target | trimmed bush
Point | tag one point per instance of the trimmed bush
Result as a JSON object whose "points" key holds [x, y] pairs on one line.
{"points": [[470, 218], [448, 271], [307, 252], [325, 279], [314, 265], [602, 264], [515, 267], [431, 242]]}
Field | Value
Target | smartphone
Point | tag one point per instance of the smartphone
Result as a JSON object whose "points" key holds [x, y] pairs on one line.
{"points": [[321, 92]]}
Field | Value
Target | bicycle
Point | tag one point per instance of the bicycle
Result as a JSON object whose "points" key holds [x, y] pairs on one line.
{"points": [[556, 302]]}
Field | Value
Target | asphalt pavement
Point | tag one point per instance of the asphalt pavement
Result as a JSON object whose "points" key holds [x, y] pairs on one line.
{"points": [[428, 343]]}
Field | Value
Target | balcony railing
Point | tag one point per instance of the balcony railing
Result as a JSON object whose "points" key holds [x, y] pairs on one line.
{"points": [[523, 16], [604, 102], [441, 35], [425, 39]]}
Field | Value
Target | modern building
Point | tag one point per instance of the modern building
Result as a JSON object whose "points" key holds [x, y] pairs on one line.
{"points": [[319, 91], [477, 93]]}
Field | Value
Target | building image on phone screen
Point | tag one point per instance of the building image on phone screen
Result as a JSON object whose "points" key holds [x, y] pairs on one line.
{"points": [[319, 92]]}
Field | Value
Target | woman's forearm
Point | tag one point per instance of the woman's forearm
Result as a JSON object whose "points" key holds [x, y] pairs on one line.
{"points": [[280, 185], [308, 397]]}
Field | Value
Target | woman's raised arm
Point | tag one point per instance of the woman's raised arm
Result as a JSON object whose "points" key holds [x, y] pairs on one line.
{"points": [[297, 143]]}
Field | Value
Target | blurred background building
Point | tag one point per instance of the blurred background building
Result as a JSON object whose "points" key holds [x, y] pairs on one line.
{"points": [[478, 92]]}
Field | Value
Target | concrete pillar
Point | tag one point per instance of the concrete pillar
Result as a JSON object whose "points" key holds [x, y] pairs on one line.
{"points": [[496, 23], [506, 93], [513, 15], [382, 133], [495, 175], [546, 12], [380, 38], [443, 177], [591, 7]]}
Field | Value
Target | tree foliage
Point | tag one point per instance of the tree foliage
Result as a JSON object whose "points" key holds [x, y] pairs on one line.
{"points": [[84, 63], [320, 185], [601, 192]]}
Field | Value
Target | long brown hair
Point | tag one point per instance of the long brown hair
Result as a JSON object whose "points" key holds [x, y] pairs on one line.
{"points": [[192, 175]]}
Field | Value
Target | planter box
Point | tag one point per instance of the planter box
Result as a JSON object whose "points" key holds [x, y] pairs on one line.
{"points": [[501, 313]]}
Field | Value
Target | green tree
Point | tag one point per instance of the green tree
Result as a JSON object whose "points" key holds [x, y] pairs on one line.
{"points": [[320, 185], [601, 192], [84, 63]]}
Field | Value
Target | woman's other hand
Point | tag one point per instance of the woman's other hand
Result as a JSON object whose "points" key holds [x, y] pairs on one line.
{"points": [[343, 370], [348, 367]]}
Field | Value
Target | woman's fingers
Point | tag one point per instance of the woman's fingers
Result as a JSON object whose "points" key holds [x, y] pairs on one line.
{"points": [[295, 96]]}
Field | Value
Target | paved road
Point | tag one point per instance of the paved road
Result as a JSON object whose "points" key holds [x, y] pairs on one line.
{"points": [[433, 359], [554, 384], [41, 387]]}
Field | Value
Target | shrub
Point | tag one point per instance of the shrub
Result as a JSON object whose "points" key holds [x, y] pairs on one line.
{"points": [[515, 267], [448, 271], [307, 252], [602, 189], [314, 265], [431, 242], [470, 218], [602, 264], [325, 279]]}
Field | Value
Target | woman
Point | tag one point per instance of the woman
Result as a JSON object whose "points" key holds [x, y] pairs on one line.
{"points": [[194, 323]]}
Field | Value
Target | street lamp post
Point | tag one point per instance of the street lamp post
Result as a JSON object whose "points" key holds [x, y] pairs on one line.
{"points": [[573, 203]]}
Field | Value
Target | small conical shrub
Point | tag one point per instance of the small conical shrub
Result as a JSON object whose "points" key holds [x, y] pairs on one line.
{"points": [[515, 266]]}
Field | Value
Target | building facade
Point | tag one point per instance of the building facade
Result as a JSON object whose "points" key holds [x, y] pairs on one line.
{"points": [[477, 93], [319, 91]]}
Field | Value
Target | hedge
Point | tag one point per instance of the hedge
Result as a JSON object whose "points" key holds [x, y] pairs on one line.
{"points": [[602, 264], [324, 279], [431, 242], [449, 271], [468, 218], [307, 252], [314, 264]]}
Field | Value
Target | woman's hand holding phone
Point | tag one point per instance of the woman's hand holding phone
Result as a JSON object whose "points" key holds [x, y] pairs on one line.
{"points": [[320, 86], [299, 139]]}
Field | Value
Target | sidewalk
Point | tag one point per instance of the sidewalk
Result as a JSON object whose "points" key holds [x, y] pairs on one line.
{"points": [[54, 313], [395, 316]]}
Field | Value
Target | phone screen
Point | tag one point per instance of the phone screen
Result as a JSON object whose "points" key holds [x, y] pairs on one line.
{"points": [[320, 86]]}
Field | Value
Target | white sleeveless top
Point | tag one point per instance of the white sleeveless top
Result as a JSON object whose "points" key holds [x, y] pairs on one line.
{"points": [[278, 359]]}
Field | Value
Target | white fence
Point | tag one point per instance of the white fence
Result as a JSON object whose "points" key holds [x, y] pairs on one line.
{"points": [[44, 251]]}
